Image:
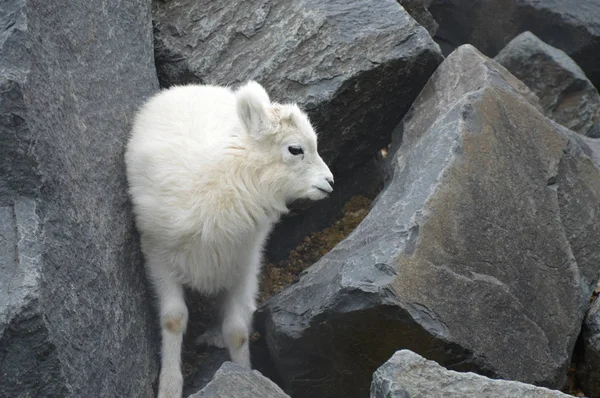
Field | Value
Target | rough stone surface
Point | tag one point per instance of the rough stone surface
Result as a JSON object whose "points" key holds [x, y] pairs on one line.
{"points": [[233, 381], [418, 10], [215, 358], [594, 149], [588, 366], [480, 253], [572, 26], [407, 374], [563, 89], [74, 313], [355, 67]]}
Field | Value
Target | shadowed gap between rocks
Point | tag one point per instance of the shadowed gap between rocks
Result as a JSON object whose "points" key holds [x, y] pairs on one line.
{"points": [[374, 331]]}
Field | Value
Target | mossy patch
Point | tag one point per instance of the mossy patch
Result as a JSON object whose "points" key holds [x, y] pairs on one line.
{"points": [[277, 276]]}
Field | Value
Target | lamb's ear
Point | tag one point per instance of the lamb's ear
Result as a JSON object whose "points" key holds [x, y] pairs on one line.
{"points": [[252, 103]]}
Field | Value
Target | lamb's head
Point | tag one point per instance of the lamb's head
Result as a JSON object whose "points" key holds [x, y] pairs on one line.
{"points": [[286, 144]]}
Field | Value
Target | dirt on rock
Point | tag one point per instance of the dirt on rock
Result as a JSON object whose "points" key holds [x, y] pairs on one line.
{"points": [[277, 276]]}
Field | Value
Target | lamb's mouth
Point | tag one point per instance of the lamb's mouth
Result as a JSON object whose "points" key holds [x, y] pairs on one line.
{"points": [[322, 190]]}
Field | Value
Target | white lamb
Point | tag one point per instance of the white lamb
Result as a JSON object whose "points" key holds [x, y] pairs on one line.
{"points": [[210, 170]]}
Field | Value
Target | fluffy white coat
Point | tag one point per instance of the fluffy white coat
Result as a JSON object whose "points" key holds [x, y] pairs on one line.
{"points": [[210, 170]]}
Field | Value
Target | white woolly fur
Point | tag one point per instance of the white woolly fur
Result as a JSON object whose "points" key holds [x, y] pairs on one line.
{"points": [[210, 170]]}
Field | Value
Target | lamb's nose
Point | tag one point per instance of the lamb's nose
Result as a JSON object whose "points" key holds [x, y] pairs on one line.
{"points": [[330, 181]]}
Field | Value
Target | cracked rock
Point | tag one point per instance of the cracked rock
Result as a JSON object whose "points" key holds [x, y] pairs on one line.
{"points": [[407, 374], [480, 253], [355, 69], [565, 93]]}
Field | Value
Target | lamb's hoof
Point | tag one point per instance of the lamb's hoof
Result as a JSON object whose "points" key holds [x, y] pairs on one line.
{"points": [[211, 337]]}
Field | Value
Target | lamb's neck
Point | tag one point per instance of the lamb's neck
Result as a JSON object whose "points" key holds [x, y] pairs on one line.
{"points": [[260, 196]]}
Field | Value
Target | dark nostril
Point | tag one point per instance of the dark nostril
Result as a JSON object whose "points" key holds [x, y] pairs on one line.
{"points": [[330, 181]]}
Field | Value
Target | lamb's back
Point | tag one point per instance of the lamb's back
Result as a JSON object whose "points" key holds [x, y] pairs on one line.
{"points": [[175, 157], [204, 114]]}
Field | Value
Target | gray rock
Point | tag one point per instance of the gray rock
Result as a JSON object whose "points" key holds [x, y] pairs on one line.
{"points": [[354, 68], [565, 93], [233, 381], [480, 253], [418, 10], [74, 313], [594, 149], [588, 365], [215, 358], [572, 26], [407, 374]]}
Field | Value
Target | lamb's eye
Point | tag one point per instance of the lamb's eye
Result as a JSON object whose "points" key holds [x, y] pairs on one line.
{"points": [[295, 150]]}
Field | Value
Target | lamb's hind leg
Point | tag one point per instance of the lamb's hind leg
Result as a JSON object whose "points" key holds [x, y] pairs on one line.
{"points": [[238, 308], [173, 319]]}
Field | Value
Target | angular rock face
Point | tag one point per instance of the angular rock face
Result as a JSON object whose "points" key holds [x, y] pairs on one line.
{"points": [[588, 367], [74, 313], [233, 381], [355, 69], [594, 149], [566, 94], [418, 10], [215, 358], [572, 26], [480, 253], [407, 374]]}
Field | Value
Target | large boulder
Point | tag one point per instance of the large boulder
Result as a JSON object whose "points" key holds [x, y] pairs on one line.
{"points": [[75, 317], [480, 253], [233, 381], [572, 26], [588, 366], [407, 374], [354, 67], [564, 91]]}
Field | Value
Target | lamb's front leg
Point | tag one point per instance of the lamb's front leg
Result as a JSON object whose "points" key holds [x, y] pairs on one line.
{"points": [[238, 308], [173, 319]]}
